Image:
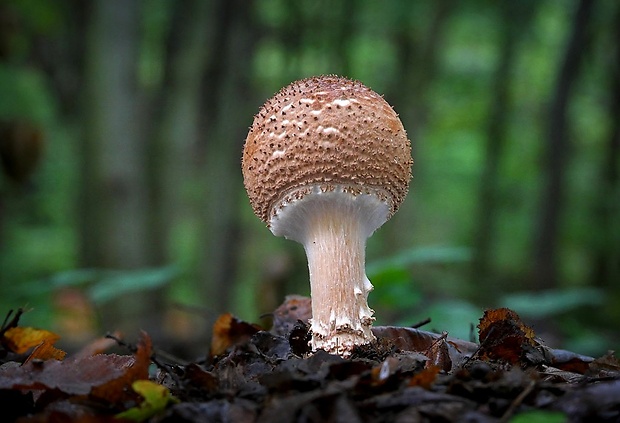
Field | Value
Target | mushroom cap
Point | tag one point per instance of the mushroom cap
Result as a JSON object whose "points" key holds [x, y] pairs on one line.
{"points": [[327, 133]]}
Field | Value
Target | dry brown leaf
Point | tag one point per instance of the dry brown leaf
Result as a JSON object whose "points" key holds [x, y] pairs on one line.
{"points": [[605, 366], [294, 309], [503, 336], [200, 378], [410, 339], [426, 377], [73, 377], [496, 316], [229, 331], [102, 378], [439, 355], [567, 360], [117, 390], [69, 411], [381, 373]]}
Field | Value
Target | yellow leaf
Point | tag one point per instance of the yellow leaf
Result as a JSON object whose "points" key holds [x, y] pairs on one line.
{"points": [[156, 399], [21, 339]]}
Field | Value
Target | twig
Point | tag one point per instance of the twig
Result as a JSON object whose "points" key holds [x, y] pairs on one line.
{"points": [[132, 348], [421, 323], [480, 346], [517, 402], [8, 324], [170, 358]]}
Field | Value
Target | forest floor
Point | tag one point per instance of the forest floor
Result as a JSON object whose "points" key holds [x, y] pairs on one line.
{"points": [[256, 375]]}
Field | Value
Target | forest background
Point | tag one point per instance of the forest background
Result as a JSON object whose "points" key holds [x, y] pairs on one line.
{"points": [[122, 123]]}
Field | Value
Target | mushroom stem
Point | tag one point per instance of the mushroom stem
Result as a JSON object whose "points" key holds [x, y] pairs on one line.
{"points": [[327, 162], [335, 243]]}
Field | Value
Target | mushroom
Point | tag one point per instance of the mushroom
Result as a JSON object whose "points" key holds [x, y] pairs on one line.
{"points": [[327, 162]]}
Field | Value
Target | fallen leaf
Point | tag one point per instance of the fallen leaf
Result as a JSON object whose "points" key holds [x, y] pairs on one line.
{"points": [[156, 399], [595, 402], [118, 389], [69, 411], [229, 331], [605, 366], [21, 339], [566, 376], [492, 318], [295, 308], [201, 379], [503, 336], [72, 377], [410, 339], [236, 410], [438, 355], [426, 377], [46, 351], [567, 360]]}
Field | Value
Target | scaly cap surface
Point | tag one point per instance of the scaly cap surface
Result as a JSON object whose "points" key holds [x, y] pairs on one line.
{"points": [[325, 131]]}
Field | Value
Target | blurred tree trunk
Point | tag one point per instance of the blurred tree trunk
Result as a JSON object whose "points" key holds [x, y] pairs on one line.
{"points": [[417, 63], [606, 271], [292, 35], [62, 58], [514, 16], [346, 12], [175, 131], [228, 101], [556, 155], [113, 226]]}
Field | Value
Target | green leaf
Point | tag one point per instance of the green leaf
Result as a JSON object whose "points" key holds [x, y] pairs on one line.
{"points": [[156, 399], [426, 255], [117, 284], [541, 304], [451, 315], [397, 289], [539, 416]]}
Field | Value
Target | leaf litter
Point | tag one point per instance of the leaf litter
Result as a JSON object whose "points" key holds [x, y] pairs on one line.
{"points": [[254, 374]]}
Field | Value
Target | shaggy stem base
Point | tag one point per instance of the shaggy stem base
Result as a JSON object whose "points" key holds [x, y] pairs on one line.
{"points": [[335, 247], [333, 224]]}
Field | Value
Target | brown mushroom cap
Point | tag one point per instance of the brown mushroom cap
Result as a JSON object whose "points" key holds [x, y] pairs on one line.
{"points": [[329, 132]]}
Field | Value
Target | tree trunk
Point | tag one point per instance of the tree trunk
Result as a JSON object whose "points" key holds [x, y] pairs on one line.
{"points": [[228, 99], [175, 131], [113, 227], [514, 16], [606, 270], [556, 156], [346, 11], [417, 61], [61, 58]]}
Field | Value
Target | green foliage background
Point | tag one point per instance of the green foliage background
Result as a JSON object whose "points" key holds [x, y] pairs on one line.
{"points": [[420, 262]]}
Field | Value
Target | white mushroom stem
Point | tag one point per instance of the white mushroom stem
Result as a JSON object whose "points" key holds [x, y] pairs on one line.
{"points": [[333, 228], [335, 246]]}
